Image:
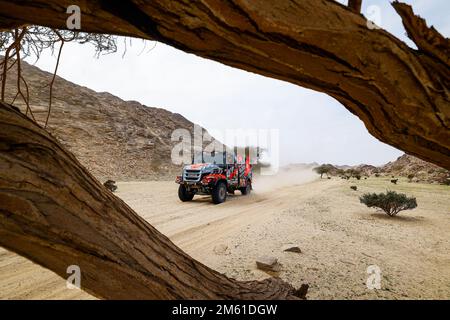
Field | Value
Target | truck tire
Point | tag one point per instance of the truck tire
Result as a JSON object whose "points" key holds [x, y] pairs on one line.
{"points": [[246, 190], [184, 194], [219, 193]]}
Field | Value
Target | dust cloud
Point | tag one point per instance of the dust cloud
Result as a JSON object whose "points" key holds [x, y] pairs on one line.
{"points": [[292, 175]]}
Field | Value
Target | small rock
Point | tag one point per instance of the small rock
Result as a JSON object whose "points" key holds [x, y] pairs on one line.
{"points": [[266, 263], [110, 185], [294, 249], [221, 249]]}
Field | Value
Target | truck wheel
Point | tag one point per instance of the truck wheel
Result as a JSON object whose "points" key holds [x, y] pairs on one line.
{"points": [[246, 190], [184, 194], [219, 193]]}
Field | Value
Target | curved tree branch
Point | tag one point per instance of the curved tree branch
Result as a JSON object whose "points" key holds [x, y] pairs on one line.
{"points": [[400, 94]]}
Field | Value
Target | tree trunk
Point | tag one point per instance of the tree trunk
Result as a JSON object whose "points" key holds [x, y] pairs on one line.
{"points": [[355, 5], [401, 94], [55, 213]]}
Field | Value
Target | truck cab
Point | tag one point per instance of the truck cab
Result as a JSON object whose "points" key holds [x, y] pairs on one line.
{"points": [[217, 175]]}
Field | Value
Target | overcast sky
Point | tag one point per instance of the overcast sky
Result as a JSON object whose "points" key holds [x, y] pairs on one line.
{"points": [[313, 126]]}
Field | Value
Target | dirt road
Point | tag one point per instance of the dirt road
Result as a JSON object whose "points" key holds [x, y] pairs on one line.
{"points": [[338, 236]]}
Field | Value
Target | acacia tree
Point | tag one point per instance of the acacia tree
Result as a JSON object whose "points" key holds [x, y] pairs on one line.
{"points": [[55, 213], [323, 169], [390, 202]]}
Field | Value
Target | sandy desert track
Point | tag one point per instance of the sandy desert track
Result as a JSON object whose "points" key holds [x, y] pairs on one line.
{"points": [[338, 236]]}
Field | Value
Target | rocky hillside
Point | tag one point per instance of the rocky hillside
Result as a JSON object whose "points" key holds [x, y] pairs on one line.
{"points": [[366, 169], [405, 166], [113, 138], [417, 169]]}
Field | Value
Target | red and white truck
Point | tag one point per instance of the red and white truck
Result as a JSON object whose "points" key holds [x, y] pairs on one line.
{"points": [[215, 175]]}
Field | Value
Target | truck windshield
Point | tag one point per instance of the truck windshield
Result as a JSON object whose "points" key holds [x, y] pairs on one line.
{"points": [[208, 157]]}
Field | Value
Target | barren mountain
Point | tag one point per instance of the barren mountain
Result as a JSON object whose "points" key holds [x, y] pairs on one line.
{"points": [[408, 166], [417, 169], [113, 138], [366, 169]]}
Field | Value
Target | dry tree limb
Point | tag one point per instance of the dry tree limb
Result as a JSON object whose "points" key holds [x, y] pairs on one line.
{"points": [[15, 97], [427, 39], [5, 62], [16, 45], [32, 41], [399, 93], [9, 67], [54, 77], [26, 88], [26, 99], [63, 216]]}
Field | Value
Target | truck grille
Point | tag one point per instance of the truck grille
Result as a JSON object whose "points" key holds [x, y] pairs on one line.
{"points": [[192, 175]]}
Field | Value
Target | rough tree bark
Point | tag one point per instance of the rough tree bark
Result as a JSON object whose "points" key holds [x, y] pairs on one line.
{"points": [[401, 94], [55, 213]]}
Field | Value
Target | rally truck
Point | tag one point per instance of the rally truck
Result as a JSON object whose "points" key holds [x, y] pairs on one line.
{"points": [[216, 175]]}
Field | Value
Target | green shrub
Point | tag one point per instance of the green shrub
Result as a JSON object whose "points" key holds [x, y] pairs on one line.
{"points": [[354, 188], [390, 202]]}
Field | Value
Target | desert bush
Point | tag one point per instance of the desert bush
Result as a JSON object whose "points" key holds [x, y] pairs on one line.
{"points": [[323, 169], [410, 177], [390, 202], [354, 188], [358, 177], [377, 175], [394, 181]]}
